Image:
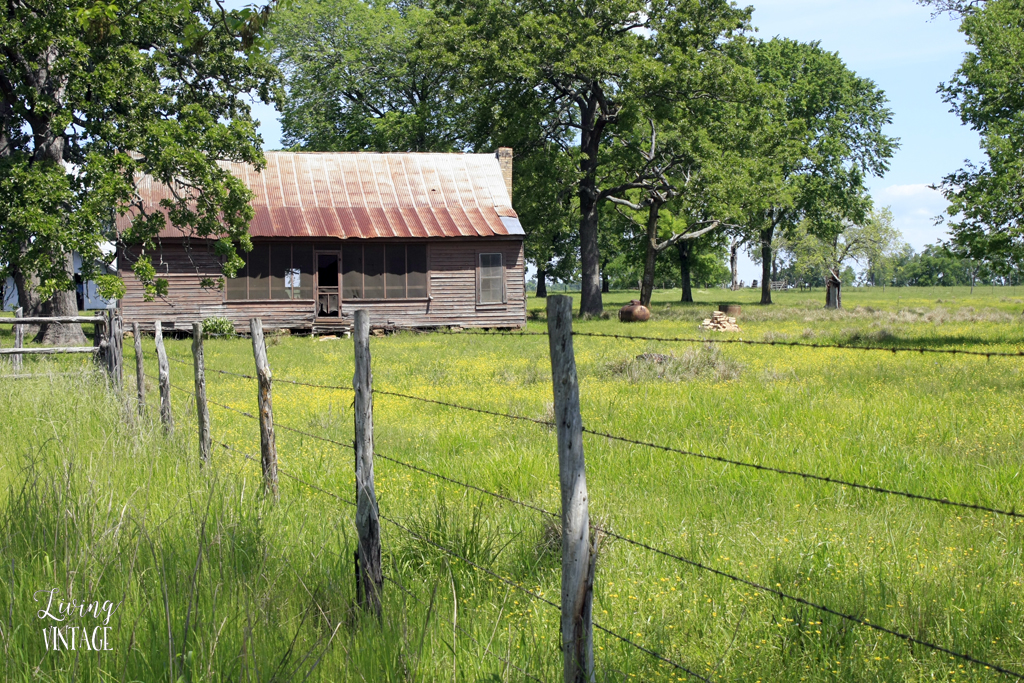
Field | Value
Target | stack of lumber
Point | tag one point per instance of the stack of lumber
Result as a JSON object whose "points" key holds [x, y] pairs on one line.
{"points": [[720, 322]]}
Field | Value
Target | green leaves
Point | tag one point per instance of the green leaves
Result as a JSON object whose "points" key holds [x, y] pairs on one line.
{"points": [[99, 94], [818, 131], [146, 274], [378, 77], [110, 287], [987, 201]]}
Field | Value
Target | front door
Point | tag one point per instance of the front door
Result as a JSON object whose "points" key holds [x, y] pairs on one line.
{"points": [[328, 299]]}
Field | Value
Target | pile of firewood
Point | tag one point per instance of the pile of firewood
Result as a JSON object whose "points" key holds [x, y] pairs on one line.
{"points": [[720, 322]]}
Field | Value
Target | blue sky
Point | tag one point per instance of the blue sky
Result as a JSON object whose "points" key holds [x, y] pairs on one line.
{"points": [[898, 45]]}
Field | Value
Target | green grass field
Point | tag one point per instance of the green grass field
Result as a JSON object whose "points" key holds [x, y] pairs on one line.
{"points": [[215, 583]]}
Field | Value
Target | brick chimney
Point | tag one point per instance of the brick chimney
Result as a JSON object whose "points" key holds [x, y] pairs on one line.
{"points": [[505, 161]]}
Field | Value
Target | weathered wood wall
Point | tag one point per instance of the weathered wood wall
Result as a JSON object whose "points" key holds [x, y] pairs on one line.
{"points": [[452, 264]]}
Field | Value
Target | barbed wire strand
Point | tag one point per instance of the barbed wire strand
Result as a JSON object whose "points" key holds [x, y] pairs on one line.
{"points": [[807, 475], [401, 463], [669, 449], [822, 608], [508, 416], [275, 379], [729, 461], [752, 342], [384, 576], [492, 573], [807, 345]]}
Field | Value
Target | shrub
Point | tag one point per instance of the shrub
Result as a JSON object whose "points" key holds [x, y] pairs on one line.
{"points": [[218, 327]]}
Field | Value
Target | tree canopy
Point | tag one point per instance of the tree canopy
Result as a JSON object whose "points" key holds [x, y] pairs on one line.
{"points": [[94, 94], [645, 104], [986, 201], [818, 131], [371, 76], [598, 69]]}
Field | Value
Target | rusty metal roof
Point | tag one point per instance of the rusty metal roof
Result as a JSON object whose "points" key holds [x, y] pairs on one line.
{"points": [[367, 195]]}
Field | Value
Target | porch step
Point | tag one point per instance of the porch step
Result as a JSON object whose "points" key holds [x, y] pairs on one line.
{"points": [[328, 326]]}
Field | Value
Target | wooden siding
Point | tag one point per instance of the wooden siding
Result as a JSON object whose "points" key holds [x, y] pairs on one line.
{"points": [[452, 265]]}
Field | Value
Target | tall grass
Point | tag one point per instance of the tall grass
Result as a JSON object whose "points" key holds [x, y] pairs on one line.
{"points": [[216, 583]]}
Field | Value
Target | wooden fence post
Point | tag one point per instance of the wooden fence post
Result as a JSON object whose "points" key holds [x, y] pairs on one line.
{"points": [[268, 446], [115, 349], [99, 337], [165, 380], [369, 578], [201, 409], [578, 555], [140, 370], [19, 339]]}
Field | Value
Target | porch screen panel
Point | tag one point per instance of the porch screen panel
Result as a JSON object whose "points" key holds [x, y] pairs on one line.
{"points": [[259, 272], [395, 271], [352, 272], [302, 271], [237, 287], [280, 271], [416, 278], [373, 271]]}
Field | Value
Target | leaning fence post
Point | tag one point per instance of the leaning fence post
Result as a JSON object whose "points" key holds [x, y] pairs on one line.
{"points": [[115, 343], [368, 570], [202, 410], [99, 337], [165, 380], [578, 555], [19, 339], [140, 369], [268, 446]]}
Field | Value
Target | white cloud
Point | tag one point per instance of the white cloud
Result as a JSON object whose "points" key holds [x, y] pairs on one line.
{"points": [[914, 207]]}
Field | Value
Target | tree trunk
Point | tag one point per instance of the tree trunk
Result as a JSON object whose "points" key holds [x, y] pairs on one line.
{"points": [[685, 248], [62, 304], [734, 261], [766, 264], [651, 257], [48, 140], [592, 127], [542, 283], [28, 299], [606, 285], [833, 292], [590, 260]]}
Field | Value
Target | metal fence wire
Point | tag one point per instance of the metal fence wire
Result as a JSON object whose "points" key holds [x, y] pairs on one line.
{"points": [[697, 565]]}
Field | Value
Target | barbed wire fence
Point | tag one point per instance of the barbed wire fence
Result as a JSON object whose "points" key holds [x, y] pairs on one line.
{"points": [[568, 417]]}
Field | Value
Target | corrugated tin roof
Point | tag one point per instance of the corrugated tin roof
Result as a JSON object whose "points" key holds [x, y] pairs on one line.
{"points": [[366, 195]]}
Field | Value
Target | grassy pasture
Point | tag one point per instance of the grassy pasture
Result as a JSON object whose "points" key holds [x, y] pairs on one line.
{"points": [[217, 584]]}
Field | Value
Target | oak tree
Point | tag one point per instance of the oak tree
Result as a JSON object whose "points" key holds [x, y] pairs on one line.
{"points": [[986, 200], [95, 94], [818, 134]]}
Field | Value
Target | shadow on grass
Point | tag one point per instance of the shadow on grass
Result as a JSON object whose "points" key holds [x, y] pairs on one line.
{"points": [[931, 341]]}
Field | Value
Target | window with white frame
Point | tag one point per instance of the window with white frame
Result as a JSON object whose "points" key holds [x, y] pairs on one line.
{"points": [[492, 279]]}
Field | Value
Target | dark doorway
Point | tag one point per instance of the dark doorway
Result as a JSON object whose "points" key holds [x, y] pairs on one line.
{"points": [[327, 295]]}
